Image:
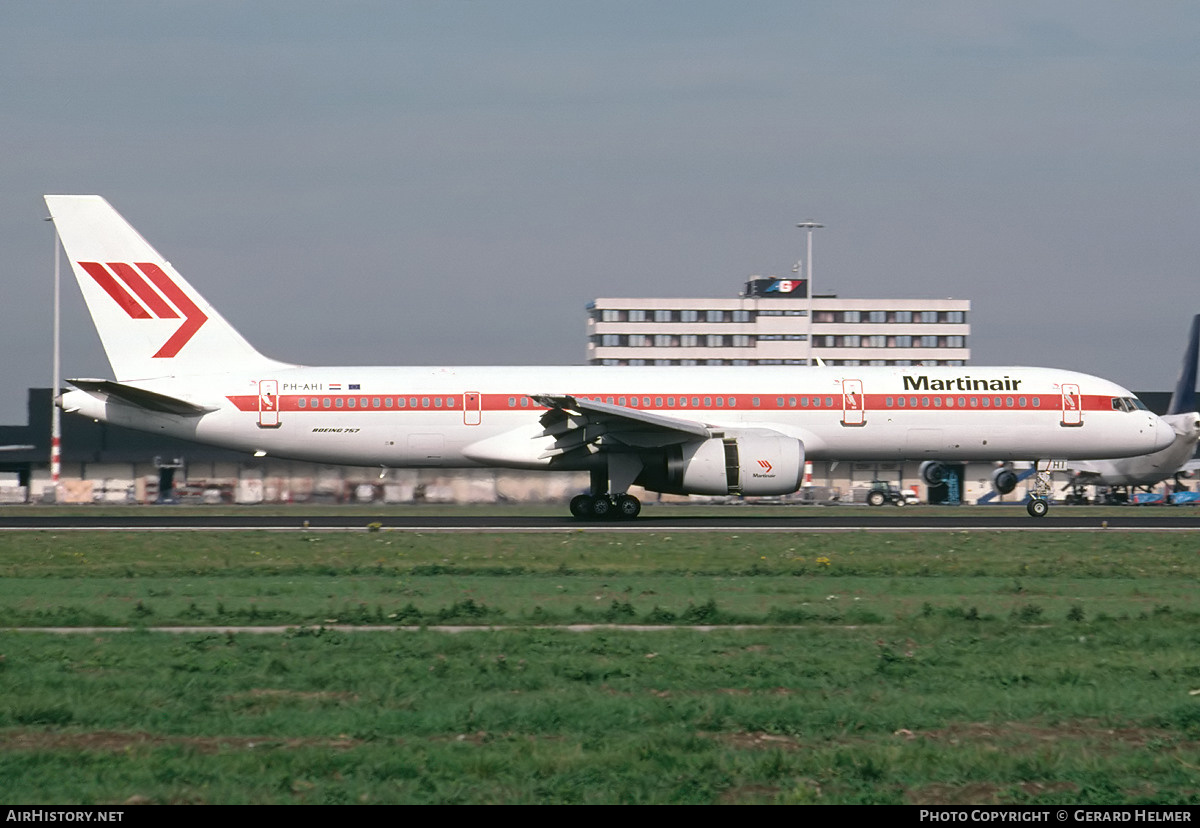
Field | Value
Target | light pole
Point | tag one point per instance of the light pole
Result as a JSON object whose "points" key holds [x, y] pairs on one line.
{"points": [[808, 270], [55, 418]]}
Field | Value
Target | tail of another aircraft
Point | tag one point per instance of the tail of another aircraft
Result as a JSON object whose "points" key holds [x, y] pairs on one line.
{"points": [[1183, 399], [151, 321]]}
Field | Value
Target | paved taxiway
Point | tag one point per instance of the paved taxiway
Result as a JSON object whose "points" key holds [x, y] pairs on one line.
{"points": [[1060, 518]]}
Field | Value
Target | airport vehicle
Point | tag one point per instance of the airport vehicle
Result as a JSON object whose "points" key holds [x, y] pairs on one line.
{"points": [[1119, 477], [181, 369], [882, 492]]}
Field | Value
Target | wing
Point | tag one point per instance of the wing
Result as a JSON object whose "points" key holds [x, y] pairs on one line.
{"points": [[590, 426]]}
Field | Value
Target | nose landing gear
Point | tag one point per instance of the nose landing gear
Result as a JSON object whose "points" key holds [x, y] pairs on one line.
{"points": [[1039, 500]]}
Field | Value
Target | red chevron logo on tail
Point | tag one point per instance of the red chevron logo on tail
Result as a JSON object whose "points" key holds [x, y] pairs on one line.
{"points": [[142, 279]]}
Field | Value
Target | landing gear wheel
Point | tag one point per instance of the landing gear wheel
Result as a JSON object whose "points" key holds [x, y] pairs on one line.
{"points": [[602, 507], [628, 507], [875, 498], [1037, 507], [581, 506]]}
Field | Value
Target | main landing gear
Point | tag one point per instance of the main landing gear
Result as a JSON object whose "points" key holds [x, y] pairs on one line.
{"points": [[608, 499], [1039, 501], [605, 507]]}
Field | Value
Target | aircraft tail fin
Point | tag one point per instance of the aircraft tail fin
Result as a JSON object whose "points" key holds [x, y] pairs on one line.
{"points": [[151, 321], [1183, 399]]}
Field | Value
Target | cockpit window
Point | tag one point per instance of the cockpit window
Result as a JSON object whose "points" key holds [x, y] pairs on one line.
{"points": [[1128, 404]]}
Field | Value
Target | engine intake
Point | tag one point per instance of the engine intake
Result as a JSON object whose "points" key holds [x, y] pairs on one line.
{"points": [[1004, 480]]}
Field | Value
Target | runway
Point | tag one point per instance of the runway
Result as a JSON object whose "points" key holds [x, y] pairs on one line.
{"points": [[914, 519]]}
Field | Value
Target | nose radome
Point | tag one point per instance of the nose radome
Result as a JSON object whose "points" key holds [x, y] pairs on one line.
{"points": [[1164, 435]]}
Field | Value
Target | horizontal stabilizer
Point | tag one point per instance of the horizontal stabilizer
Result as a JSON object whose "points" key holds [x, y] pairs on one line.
{"points": [[141, 398]]}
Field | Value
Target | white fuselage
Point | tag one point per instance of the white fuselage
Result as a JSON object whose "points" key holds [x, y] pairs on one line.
{"points": [[472, 416]]}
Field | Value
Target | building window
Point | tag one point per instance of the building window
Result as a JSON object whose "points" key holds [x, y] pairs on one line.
{"points": [[875, 341], [638, 340], [742, 316], [851, 316], [689, 340], [610, 340], [714, 316], [929, 316], [741, 341], [902, 341], [662, 316], [851, 341], [953, 316], [610, 316], [902, 316], [664, 341], [877, 316], [954, 342], [928, 341], [637, 316], [689, 316], [714, 341]]}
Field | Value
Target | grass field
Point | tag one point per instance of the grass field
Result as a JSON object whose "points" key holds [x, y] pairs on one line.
{"points": [[933, 668]]}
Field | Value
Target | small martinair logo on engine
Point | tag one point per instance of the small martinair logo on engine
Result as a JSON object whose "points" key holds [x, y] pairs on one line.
{"points": [[766, 466]]}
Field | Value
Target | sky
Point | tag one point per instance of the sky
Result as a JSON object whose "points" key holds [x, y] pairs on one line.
{"points": [[452, 182]]}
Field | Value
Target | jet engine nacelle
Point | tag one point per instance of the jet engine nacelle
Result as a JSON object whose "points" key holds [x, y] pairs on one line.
{"points": [[933, 472], [747, 465], [1004, 480]]}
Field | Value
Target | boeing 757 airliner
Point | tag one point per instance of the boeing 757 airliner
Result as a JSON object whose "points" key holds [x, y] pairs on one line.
{"points": [[181, 369]]}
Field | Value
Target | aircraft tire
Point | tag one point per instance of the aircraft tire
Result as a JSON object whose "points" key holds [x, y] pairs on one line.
{"points": [[1037, 507], [581, 506], [602, 507], [628, 507]]}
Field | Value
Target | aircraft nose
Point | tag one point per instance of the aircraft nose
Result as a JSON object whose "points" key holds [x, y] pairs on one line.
{"points": [[1164, 434]]}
